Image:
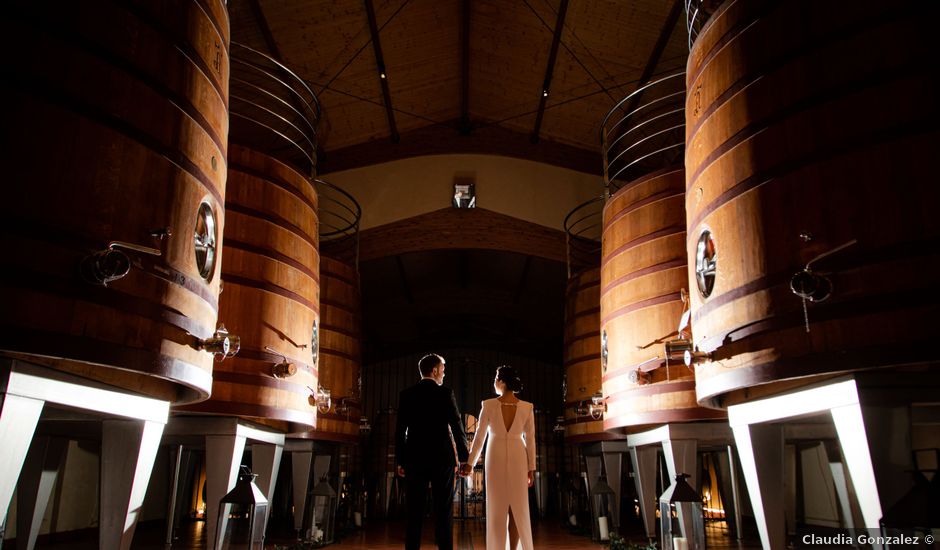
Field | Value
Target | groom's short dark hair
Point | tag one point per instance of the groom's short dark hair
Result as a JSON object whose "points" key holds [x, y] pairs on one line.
{"points": [[428, 362]]}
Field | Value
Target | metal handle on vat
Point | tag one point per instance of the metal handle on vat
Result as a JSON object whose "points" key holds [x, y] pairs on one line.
{"points": [[111, 264]]}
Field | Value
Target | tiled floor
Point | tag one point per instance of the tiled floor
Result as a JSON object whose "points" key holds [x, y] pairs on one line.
{"points": [[547, 534], [387, 535], [468, 535]]}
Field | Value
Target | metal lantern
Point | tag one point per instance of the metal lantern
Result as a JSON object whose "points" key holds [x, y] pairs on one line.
{"points": [[242, 515], [681, 518], [602, 491], [322, 520]]}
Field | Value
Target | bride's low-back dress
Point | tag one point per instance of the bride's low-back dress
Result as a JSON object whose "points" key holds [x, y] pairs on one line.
{"points": [[510, 456]]}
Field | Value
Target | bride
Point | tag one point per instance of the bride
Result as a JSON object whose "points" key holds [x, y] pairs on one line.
{"points": [[510, 462]]}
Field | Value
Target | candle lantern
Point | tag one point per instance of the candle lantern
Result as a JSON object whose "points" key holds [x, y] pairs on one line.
{"points": [[242, 515], [602, 493], [681, 518], [322, 520]]}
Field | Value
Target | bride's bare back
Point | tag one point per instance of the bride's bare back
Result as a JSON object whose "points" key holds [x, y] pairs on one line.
{"points": [[509, 413]]}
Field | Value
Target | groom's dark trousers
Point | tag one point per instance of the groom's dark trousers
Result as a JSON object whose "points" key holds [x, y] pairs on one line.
{"points": [[427, 416]]}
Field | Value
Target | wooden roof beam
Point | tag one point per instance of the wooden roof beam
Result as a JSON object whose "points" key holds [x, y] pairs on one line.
{"points": [[465, 68], [549, 69], [383, 75]]}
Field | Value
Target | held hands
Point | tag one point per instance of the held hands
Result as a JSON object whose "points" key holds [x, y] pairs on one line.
{"points": [[531, 477], [465, 470]]}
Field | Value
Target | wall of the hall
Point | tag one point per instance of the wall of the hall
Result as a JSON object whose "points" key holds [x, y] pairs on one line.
{"points": [[531, 191], [470, 374]]}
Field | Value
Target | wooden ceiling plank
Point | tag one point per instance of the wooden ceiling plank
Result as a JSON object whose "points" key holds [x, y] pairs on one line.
{"points": [[574, 56], [265, 30], [549, 69], [465, 68], [383, 75], [657, 52]]}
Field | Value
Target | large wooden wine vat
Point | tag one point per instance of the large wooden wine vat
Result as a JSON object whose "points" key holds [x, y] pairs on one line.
{"points": [[810, 132], [340, 356], [115, 140], [643, 272], [271, 293], [582, 357]]}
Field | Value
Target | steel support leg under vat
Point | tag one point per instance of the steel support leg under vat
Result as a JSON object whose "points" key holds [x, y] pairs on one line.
{"points": [[179, 461], [266, 462], [613, 463], [729, 486], [45, 458], [124, 476], [225, 440], [593, 466], [840, 482], [18, 419], [644, 475], [680, 444], [764, 478], [760, 446], [301, 453], [133, 429]]}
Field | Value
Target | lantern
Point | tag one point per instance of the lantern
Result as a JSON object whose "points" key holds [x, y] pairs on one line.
{"points": [[242, 515], [681, 518], [602, 491], [324, 503]]}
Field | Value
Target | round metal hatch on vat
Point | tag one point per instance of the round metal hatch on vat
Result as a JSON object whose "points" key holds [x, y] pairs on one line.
{"points": [[204, 239], [706, 260], [315, 342]]}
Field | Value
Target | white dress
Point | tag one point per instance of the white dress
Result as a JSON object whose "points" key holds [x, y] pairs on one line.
{"points": [[510, 456]]}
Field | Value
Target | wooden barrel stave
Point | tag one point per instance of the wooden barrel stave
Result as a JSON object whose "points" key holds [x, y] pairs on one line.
{"points": [[582, 354], [765, 166], [115, 125], [643, 270], [340, 350], [271, 293]]}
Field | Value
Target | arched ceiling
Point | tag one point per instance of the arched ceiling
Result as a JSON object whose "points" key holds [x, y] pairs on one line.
{"points": [[465, 75]]}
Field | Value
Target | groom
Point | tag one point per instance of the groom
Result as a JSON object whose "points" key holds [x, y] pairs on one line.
{"points": [[428, 431]]}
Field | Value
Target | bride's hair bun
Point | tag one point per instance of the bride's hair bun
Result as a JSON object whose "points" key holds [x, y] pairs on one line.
{"points": [[508, 376]]}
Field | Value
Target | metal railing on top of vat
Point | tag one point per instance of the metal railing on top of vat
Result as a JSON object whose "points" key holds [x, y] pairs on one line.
{"points": [[697, 13], [583, 228], [339, 223], [272, 109], [644, 132]]}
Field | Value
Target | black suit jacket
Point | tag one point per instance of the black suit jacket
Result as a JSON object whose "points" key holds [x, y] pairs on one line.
{"points": [[422, 439]]}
